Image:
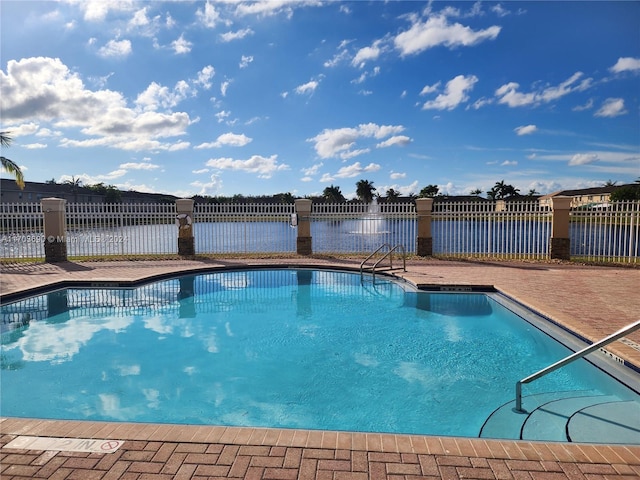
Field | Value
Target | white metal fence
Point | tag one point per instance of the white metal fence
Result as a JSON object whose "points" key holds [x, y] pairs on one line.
{"points": [[243, 228], [608, 233], [519, 230], [361, 228], [97, 229], [479, 228], [21, 230]]}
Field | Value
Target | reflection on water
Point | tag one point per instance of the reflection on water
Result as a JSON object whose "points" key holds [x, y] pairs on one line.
{"points": [[54, 326]]}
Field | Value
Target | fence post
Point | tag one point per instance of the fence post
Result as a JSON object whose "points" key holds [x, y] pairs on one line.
{"points": [[304, 244], [560, 244], [184, 220], [424, 244], [55, 231]]}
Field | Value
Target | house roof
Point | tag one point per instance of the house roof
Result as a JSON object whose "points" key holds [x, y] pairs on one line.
{"points": [[586, 191]]}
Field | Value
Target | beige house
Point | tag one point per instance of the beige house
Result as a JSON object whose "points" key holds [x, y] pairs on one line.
{"points": [[596, 197]]}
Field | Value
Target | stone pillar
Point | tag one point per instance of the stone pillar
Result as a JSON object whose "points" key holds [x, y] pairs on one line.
{"points": [[560, 244], [55, 231], [303, 241], [184, 220], [424, 244]]}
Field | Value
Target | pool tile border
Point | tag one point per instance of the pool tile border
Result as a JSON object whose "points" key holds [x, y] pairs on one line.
{"points": [[320, 439]]}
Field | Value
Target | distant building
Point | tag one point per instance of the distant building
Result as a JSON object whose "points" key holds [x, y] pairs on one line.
{"points": [[35, 191], [596, 197]]}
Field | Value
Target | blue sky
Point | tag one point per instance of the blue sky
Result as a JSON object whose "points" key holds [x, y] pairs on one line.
{"points": [[258, 98]]}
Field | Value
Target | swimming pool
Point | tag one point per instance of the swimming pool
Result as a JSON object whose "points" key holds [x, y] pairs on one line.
{"points": [[292, 348]]}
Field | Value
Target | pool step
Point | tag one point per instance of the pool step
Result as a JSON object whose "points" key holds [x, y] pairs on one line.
{"points": [[585, 417], [620, 420], [549, 421]]}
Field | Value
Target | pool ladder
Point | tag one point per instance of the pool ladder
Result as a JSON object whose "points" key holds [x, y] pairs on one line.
{"points": [[388, 254]]}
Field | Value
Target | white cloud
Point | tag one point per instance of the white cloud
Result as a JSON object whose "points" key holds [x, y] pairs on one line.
{"points": [[125, 143], [16, 131], [499, 10], [237, 35], [307, 88], [612, 107], [454, 94], [139, 18], [223, 87], [45, 90], [397, 175], [508, 163], [553, 93], [436, 31], [222, 115], [139, 166], [339, 57], [264, 166], [97, 10], [626, 64], [227, 139], [141, 24], [209, 16], [586, 106], [34, 146], [267, 8], [245, 60], [45, 132], [93, 179], [337, 142], [583, 159], [208, 188], [526, 130], [626, 158], [400, 140], [367, 54], [430, 88], [313, 170], [204, 77], [356, 169], [181, 45], [508, 93], [115, 48], [157, 96], [354, 153]]}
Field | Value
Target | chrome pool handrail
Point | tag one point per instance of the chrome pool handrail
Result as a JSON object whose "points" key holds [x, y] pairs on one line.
{"points": [[388, 254], [575, 356]]}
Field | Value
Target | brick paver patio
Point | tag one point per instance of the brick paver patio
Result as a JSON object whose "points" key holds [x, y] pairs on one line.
{"points": [[591, 300]]}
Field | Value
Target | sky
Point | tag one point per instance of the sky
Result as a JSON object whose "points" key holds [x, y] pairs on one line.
{"points": [[259, 98]]}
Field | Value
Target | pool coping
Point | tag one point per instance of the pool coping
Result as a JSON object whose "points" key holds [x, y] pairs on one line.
{"points": [[393, 453]]}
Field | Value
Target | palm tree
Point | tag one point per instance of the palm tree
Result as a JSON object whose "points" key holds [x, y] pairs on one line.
{"points": [[10, 166], [392, 195], [510, 191], [429, 191], [75, 184], [532, 192], [364, 190], [333, 195], [476, 193], [502, 190]]}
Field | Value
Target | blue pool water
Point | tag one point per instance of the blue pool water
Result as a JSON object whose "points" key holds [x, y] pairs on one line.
{"points": [[276, 348]]}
